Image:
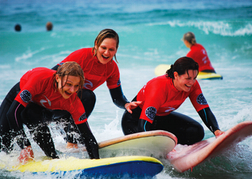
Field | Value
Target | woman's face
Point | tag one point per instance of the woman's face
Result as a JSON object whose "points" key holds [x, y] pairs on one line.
{"points": [[106, 51], [187, 44], [184, 82], [71, 85]]}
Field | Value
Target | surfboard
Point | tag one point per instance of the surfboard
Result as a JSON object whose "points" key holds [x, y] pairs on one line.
{"points": [[155, 143], [162, 68], [132, 166], [186, 157]]}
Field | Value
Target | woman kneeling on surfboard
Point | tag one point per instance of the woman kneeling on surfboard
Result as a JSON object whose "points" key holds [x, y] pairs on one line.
{"points": [[164, 94], [44, 95]]}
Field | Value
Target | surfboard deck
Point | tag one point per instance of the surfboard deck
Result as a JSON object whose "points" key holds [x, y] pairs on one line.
{"points": [[133, 166], [155, 143], [190, 156], [162, 68]]}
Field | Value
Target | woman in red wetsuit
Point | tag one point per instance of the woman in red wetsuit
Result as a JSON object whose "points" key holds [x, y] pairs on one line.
{"points": [[99, 67], [45, 95], [197, 52], [164, 94]]}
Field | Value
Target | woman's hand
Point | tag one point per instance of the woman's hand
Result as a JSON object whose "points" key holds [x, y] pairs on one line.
{"points": [[26, 155], [71, 145], [132, 105], [217, 133]]}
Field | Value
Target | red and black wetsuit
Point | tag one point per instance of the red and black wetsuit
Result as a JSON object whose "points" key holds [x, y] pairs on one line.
{"points": [[198, 53], [96, 74], [38, 102], [159, 100]]}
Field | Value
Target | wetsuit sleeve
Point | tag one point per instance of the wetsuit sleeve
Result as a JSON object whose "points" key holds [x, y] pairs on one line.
{"points": [[16, 124], [118, 97], [209, 119], [89, 140]]}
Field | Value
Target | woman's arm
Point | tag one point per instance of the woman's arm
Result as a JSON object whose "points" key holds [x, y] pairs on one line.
{"points": [[118, 97], [210, 121], [120, 100], [89, 140]]}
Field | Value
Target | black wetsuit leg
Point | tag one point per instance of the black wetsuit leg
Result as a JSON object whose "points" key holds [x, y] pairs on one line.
{"points": [[36, 117], [187, 130], [88, 100], [130, 121], [5, 137]]}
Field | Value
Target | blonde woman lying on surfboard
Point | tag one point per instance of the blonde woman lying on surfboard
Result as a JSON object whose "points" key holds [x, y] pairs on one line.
{"points": [[162, 95], [42, 96]]}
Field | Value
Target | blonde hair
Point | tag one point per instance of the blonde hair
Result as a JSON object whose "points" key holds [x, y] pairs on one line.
{"points": [[106, 33], [70, 69]]}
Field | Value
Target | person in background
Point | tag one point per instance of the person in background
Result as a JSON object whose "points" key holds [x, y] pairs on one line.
{"points": [[198, 53], [17, 27], [49, 26], [42, 96], [162, 95], [98, 66]]}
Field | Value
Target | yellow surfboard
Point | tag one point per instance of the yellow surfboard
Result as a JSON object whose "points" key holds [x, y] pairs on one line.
{"points": [[133, 166], [162, 68]]}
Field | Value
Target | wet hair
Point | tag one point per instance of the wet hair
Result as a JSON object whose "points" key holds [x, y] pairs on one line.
{"points": [[190, 37], [181, 66], [106, 33], [70, 69], [49, 26], [17, 27]]}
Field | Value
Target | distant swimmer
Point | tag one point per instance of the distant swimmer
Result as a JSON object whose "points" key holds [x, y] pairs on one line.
{"points": [[49, 26], [197, 52], [18, 27]]}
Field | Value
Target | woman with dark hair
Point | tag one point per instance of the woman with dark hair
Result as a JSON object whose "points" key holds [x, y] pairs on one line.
{"points": [[98, 66], [198, 53], [42, 96], [164, 94]]}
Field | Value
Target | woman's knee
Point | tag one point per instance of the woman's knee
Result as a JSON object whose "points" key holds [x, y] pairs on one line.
{"points": [[88, 100], [194, 134]]}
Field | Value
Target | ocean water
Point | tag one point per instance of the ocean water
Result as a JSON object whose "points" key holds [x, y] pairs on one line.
{"points": [[150, 34]]}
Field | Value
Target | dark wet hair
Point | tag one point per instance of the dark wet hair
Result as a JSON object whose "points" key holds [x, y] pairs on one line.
{"points": [[181, 66], [190, 37], [106, 33], [17, 27], [49, 26]]}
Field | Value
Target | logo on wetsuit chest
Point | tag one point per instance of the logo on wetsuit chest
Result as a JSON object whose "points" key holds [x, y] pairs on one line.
{"points": [[44, 101], [88, 84], [150, 112], [201, 99]]}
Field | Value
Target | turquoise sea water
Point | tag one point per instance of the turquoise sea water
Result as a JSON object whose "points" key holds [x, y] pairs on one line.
{"points": [[150, 34]]}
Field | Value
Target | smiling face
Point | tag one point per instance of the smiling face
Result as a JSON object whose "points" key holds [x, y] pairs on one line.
{"points": [[185, 81], [68, 85], [107, 50]]}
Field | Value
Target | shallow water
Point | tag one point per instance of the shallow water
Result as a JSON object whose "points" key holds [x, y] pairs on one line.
{"points": [[150, 34]]}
